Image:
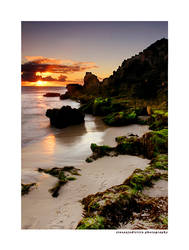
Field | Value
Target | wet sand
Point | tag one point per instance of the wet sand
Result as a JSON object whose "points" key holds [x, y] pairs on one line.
{"points": [[39, 209]]}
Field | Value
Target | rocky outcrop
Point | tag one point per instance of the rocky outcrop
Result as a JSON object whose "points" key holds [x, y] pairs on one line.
{"points": [[65, 96], [144, 75], [149, 145], [51, 94], [91, 84], [66, 116]]}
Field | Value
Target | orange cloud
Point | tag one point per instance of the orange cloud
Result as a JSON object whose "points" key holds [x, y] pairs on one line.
{"points": [[43, 60], [51, 69]]}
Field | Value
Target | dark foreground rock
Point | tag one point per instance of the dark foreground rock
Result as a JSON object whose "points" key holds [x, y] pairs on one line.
{"points": [[66, 116], [51, 94]]}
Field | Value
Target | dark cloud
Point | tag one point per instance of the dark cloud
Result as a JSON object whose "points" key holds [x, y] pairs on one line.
{"points": [[30, 68]]}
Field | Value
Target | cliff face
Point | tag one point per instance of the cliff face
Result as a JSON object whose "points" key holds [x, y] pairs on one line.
{"points": [[142, 76]]}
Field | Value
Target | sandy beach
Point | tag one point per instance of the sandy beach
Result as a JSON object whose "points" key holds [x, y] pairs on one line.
{"points": [[39, 209]]}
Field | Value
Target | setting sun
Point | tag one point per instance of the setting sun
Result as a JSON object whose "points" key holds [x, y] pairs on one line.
{"points": [[40, 83]]}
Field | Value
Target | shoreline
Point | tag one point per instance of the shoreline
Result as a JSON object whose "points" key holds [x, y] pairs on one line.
{"points": [[41, 211]]}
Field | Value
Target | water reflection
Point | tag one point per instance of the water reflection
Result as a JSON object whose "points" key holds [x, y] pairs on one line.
{"points": [[71, 135], [49, 144]]}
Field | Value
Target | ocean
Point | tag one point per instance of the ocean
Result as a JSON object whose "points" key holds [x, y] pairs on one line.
{"points": [[35, 125], [45, 146]]}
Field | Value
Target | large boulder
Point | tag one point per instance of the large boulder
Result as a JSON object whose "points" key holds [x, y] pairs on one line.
{"points": [[66, 116]]}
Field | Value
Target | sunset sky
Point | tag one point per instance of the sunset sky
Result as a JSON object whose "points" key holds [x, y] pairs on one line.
{"points": [[59, 53]]}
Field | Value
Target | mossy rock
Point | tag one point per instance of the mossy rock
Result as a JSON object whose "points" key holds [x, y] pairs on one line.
{"points": [[102, 150], [158, 120], [117, 203], [121, 118], [128, 145], [141, 178], [95, 222], [27, 187], [160, 162], [99, 151], [62, 177], [101, 106], [154, 143]]}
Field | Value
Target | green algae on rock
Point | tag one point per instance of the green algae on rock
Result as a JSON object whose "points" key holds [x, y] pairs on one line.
{"points": [[160, 161], [101, 106], [121, 118], [149, 145], [128, 145], [27, 187], [62, 177], [117, 204], [158, 120], [154, 142], [150, 213], [95, 222]]}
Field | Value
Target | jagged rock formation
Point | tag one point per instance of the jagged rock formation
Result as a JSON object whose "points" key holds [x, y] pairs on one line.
{"points": [[91, 84], [143, 76]]}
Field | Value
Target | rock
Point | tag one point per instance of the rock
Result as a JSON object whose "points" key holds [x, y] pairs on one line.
{"points": [[51, 94], [121, 118], [73, 91], [63, 178], [91, 83], [27, 187], [158, 120], [66, 116], [105, 210], [65, 96]]}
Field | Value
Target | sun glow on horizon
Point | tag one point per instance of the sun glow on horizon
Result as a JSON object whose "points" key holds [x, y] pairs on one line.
{"points": [[40, 83]]}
